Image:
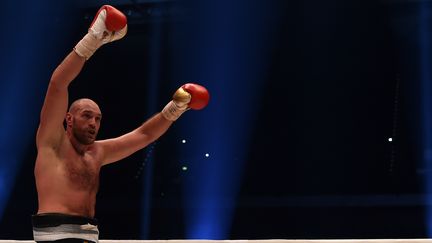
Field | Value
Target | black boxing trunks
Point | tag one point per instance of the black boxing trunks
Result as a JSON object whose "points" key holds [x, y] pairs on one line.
{"points": [[56, 227]]}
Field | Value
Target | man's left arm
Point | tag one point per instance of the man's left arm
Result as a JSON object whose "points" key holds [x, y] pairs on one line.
{"points": [[189, 96], [121, 147]]}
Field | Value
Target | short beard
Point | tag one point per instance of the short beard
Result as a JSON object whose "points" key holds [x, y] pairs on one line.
{"points": [[82, 139]]}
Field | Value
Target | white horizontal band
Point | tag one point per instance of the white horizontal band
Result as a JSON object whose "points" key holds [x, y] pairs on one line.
{"points": [[252, 241]]}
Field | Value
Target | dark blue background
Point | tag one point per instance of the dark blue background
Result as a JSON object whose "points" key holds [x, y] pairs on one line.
{"points": [[308, 93]]}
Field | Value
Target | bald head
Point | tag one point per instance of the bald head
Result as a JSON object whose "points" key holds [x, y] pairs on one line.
{"points": [[82, 104]]}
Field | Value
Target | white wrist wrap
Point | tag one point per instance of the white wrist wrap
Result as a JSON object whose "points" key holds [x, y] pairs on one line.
{"points": [[97, 35], [88, 45], [172, 111]]}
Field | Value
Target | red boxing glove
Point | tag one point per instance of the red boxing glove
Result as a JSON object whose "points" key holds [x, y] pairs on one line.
{"points": [[188, 96], [108, 25], [199, 96], [114, 21]]}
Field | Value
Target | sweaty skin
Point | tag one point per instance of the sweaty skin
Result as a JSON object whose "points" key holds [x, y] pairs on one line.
{"points": [[69, 160]]}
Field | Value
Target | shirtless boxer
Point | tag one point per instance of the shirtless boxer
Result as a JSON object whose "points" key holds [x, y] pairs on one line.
{"points": [[69, 160]]}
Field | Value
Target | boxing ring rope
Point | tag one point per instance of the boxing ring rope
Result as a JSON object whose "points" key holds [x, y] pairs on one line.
{"points": [[252, 241]]}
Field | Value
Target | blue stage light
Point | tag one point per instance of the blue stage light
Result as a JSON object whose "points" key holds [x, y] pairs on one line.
{"points": [[425, 54], [25, 74], [152, 107], [224, 51]]}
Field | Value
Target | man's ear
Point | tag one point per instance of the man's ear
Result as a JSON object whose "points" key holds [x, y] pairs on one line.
{"points": [[68, 119]]}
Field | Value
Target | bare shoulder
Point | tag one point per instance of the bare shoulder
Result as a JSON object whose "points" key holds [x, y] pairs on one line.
{"points": [[51, 146], [98, 148]]}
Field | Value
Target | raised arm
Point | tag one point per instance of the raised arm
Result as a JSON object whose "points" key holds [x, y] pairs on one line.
{"points": [[189, 96], [56, 101], [108, 25]]}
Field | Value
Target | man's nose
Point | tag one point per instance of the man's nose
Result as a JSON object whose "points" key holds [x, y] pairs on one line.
{"points": [[92, 123]]}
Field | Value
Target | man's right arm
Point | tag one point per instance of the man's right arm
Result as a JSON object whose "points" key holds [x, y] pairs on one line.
{"points": [[54, 109], [108, 25]]}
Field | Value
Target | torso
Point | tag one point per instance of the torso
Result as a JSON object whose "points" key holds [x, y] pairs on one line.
{"points": [[67, 182]]}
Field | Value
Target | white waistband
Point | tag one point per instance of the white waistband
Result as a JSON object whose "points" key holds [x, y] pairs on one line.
{"points": [[86, 232]]}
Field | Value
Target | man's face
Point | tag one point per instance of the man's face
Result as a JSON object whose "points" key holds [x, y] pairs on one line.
{"points": [[85, 123]]}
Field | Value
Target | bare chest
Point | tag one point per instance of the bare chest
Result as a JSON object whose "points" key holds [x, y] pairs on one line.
{"points": [[82, 171]]}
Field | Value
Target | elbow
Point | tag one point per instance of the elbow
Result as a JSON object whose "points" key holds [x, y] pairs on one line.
{"points": [[57, 84]]}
